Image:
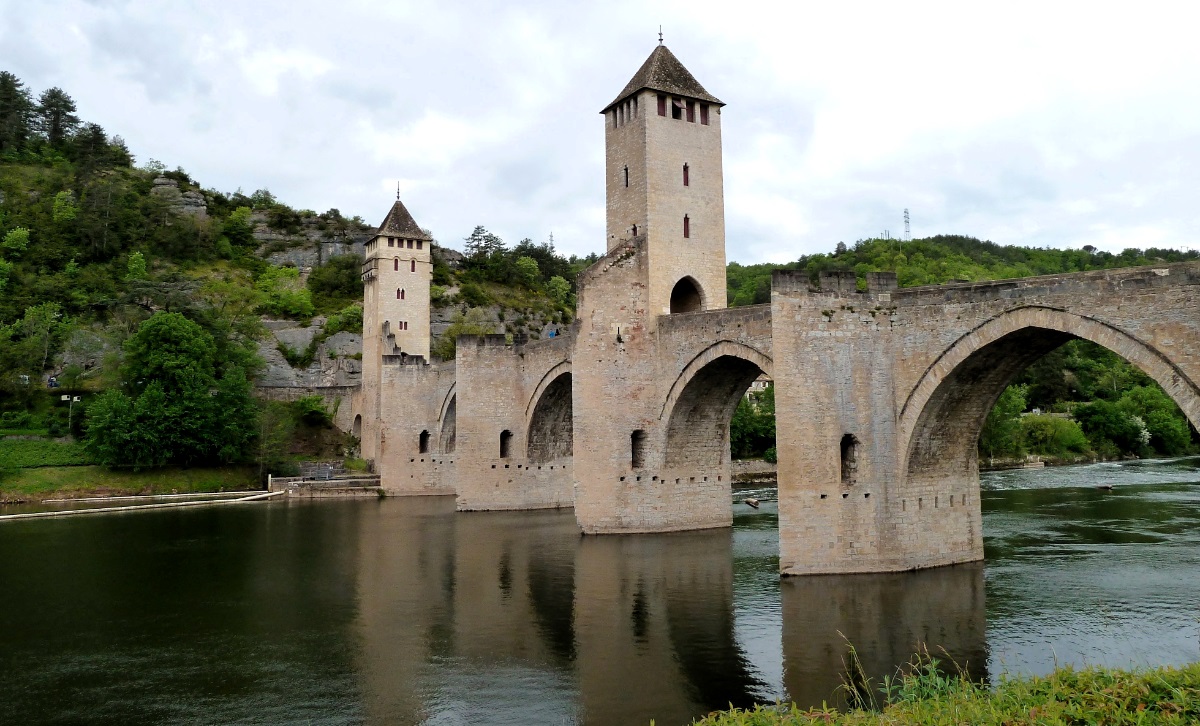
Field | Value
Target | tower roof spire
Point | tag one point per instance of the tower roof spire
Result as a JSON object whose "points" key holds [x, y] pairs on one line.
{"points": [[662, 71], [400, 223]]}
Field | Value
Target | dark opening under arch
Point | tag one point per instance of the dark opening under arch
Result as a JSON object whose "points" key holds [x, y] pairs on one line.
{"points": [[686, 296], [550, 426], [698, 430], [423, 443], [446, 440], [505, 443]]}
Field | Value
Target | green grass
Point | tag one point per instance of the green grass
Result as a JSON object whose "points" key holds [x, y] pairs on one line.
{"points": [[83, 481], [23, 453], [1066, 696]]}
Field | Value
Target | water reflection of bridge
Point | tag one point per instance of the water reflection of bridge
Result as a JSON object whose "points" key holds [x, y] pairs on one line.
{"points": [[613, 629]]}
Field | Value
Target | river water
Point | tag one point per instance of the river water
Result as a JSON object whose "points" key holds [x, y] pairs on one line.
{"points": [[402, 611]]}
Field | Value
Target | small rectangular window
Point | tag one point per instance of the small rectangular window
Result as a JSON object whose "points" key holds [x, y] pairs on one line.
{"points": [[410, 244], [686, 180], [687, 227], [704, 114], [620, 115], [635, 106], [677, 108], [637, 442], [412, 266], [418, 244], [391, 242], [662, 105], [691, 112]]}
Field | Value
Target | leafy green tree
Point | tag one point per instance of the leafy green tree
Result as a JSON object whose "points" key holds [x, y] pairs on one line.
{"points": [[16, 240], [1051, 435], [238, 227], [1001, 434], [16, 112], [56, 115], [1168, 427], [64, 207], [135, 269], [284, 294], [559, 289], [6, 269], [752, 428], [528, 273], [174, 408], [1111, 430]]}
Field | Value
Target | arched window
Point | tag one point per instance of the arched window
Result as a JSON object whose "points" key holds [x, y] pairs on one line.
{"points": [[626, 176], [396, 264], [849, 460], [412, 266], [635, 230], [423, 442], [505, 443], [686, 297], [399, 294], [685, 175], [637, 441], [687, 227]]}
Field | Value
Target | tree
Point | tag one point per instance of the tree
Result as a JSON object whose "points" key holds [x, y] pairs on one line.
{"points": [[135, 269], [1001, 434], [16, 240], [64, 207], [283, 293], [482, 243], [174, 408], [527, 271], [39, 328], [16, 111], [559, 289], [56, 115]]}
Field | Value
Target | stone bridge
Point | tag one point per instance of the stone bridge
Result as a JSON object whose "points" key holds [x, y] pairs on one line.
{"points": [[880, 394]]}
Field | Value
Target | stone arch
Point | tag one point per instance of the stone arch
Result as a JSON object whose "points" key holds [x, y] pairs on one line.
{"points": [[942, 416], [356, 427], [447, 424], [702, 401], [550, 428], [687, 296]]}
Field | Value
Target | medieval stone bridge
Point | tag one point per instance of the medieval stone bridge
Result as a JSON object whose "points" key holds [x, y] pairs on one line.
{"points": [[880, 394]]}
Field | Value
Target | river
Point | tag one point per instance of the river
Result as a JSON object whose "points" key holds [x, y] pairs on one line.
{"points": [[402, 611]]}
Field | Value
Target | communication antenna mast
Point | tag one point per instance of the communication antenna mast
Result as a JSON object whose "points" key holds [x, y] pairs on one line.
{"points": [[907, 231]]}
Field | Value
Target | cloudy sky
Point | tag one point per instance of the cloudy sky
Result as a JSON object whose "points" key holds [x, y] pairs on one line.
{"points": [[1047, 124]]}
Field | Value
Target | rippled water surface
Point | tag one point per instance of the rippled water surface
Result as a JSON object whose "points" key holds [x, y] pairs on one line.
{"points": [[402, 611]]}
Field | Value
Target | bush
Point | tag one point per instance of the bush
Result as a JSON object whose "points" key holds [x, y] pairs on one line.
{"points": [[771, 456], [283, 294], [1050, 435], [474, 295], [311, 411]]}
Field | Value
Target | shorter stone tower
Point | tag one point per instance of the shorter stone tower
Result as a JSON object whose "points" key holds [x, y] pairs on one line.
{"points": [[396, 275]]}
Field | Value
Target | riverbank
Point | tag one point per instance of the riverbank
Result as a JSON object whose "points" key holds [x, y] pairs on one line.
{"points": [[1092, 695], [72, 482]]}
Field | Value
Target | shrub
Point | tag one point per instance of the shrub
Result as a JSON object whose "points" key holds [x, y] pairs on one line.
{"points": [[474, 295], [1052, 435], [311, 411]]}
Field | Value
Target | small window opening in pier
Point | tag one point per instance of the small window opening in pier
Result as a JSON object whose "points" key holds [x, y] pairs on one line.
{"points": [[423, 443], [399, 294], [635, 230], [412, 266], [626, 176], [685, 176], [505, 443], [849, 460], [687, 227], [637, 441]]}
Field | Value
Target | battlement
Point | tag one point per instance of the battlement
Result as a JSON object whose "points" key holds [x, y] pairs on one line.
{"points": [[404, 360], [842, 283]]}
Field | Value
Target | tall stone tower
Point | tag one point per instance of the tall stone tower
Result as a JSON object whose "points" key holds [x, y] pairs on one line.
{"points": [[396, 275], [664, 183]]}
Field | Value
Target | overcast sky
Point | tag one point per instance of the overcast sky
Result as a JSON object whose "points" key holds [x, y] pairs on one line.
{"points": [[1046, 124]]}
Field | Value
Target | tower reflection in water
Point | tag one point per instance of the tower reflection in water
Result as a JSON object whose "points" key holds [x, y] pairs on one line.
{"points": [[515, 618]]}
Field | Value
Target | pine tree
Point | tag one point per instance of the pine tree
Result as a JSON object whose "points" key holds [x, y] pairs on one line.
{"points": [[16, 109], [56, 115]]}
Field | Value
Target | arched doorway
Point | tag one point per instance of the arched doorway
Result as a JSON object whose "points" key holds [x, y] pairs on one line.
{"points": [[356, 427], [550, 427], [686, 296]]}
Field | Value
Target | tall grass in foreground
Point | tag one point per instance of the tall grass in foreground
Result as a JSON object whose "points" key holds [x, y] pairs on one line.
{"points": [[925, 694]]}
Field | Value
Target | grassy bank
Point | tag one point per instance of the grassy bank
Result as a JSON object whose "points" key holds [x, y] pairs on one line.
{"points": [[1067, 696], [22, 453], [51, 482]]}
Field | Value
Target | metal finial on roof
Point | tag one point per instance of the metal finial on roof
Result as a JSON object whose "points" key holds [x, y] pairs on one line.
{"points": [[397, 191], [660, 35]]}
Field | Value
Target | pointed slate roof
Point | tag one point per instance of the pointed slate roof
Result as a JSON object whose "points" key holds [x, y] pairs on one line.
{"points": [[662, 71], [399, 223]]}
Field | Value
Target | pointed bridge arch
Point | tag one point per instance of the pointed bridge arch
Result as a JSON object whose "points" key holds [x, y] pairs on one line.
{"points": [[943, 414], [702, 400]]}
